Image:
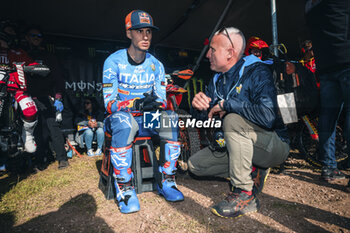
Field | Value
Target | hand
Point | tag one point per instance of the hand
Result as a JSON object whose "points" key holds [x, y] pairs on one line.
{"points": [[201, 101], [148, 103], [216, 110], [290, 68], [59, 105]]}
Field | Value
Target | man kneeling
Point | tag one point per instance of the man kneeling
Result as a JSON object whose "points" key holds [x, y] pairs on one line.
{"points": [[243, 94]]}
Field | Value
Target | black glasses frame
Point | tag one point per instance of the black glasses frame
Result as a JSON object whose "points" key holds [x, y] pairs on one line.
{"points": [[224, 31]]}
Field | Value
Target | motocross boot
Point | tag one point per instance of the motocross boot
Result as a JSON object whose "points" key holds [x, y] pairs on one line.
{"points": [[126, 196], [169, 152], [27, 135]]}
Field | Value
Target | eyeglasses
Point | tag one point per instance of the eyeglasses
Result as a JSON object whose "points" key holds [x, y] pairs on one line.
{"points": [[222, 30], [39, 35]]}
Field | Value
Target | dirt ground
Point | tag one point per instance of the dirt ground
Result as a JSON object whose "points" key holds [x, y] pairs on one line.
{"points": [[296, 201]]}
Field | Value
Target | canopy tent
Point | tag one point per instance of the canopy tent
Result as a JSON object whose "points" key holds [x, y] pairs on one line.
{"points": [[183, 23], [86, 32]]}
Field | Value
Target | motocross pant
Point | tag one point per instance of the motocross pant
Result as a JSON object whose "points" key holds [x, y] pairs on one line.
{"points": [[124, 127]]}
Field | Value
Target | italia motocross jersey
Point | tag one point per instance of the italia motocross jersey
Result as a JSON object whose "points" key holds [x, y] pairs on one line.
{"points": [[123, 83]]}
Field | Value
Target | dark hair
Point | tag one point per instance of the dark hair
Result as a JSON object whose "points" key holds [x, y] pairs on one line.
{"points": [[31, 27], [95, 106]]}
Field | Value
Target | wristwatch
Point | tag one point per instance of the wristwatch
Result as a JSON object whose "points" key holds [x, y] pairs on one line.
{"points": [[221, 105]]}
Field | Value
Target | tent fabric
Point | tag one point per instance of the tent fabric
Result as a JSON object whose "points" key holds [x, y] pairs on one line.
{"points": [[194, 19]]}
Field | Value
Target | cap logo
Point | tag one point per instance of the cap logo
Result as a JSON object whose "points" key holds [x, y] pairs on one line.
{"points": [[144, 18]]}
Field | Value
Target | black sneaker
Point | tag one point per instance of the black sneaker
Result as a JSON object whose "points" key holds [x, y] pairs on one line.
{"points": [[259, 176], [236, 204], [62, 164], [331, 174]]}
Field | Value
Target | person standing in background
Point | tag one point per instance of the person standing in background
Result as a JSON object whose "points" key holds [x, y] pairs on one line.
{"points": [[47, 93], [329, 25]]}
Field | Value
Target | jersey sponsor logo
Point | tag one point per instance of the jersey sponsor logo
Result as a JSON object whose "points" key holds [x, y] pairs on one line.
{"points": [[107, 85], [139, 70], [136, 87], [123, 92], [107, 91], [122, 66], [108, 73], [20, 72], [136, 78], [137, 93]]}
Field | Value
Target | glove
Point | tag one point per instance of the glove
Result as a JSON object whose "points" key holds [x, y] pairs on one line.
{"points": [[148, 103], [59, 105]]}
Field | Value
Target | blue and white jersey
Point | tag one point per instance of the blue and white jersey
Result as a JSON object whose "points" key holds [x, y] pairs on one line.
{"points": [[123, 82]]}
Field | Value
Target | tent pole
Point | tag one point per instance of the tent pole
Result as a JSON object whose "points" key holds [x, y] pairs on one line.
{"points": [[274, 27], [212, 34]]}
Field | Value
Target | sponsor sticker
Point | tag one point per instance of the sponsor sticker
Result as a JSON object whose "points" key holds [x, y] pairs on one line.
{"points": [[144, 18], [123, 92], [107, 85]]}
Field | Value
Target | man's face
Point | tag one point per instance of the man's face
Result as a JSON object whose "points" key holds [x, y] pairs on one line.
{"points": [[256, 52], [140, 38], [219, 53], [34, 37]]}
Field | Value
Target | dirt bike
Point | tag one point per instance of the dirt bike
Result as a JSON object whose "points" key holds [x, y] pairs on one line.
{"points": [[304, 134], [307, 141], [11, 143], [189, 137]]}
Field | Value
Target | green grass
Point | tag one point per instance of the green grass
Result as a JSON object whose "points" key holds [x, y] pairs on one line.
{"points": [[41, 191]]}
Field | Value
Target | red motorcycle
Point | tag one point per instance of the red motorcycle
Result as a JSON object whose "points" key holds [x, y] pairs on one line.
{"points": [[189, 137], [11, 144]]}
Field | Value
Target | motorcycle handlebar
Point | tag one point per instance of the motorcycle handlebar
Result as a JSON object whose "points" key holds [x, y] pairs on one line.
{"points": [[38, 69], [183, 74], [41, 70]]}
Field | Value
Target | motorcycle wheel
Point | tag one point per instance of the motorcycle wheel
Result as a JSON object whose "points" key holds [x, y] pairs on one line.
{"points": [[190, 141], [309, 147]]}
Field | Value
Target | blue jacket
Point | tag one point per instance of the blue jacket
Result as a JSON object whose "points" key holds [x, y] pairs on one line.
{"points": [[248, 90]]}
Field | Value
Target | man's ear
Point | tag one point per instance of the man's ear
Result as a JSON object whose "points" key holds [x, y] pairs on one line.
{"points": [[230, 52], [128, 34]]}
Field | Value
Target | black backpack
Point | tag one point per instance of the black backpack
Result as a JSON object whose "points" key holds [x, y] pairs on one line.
{"points": [[302, 83]]}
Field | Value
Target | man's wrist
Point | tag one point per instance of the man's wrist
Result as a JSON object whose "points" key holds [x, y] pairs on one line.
{"points": [[221, 105]]}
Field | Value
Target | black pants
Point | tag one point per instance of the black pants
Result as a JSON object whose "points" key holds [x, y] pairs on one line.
{"points": [[47, 128]]}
